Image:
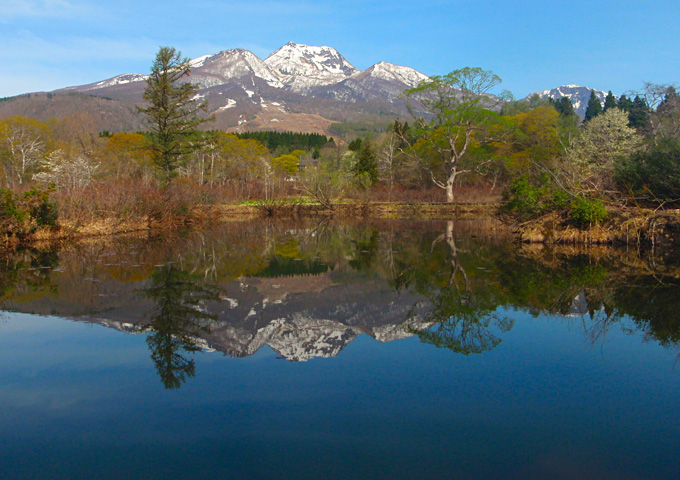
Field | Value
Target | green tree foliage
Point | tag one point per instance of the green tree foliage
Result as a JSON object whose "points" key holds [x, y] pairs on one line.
{"points": [[172, 113], [366, 165], [625, 103], [355, 145], [665, 121], [564, 107], [21, 214], [286, 164], [286, 142], [653, 174], [593, 156], [127, 155], [511, 108], [594, 106], [609, 101], [638, 115], [458, 107], [233, 159]]}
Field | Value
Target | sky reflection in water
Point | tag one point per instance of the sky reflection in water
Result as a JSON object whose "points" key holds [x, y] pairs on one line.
{"points": [[551, 364]]}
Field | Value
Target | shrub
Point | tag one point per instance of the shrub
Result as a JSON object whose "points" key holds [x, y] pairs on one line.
{"points": [[653, 174], [23, 214], [525, 200], [585, 212], [41, 209]]}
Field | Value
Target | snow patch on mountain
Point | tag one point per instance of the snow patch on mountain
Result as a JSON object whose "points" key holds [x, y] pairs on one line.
{"points": [[301, 67], [198, 62], [231, 103], [397, 73], [231, 64], [112, 82]]}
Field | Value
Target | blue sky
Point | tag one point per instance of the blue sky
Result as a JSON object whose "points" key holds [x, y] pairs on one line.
{"points": [[532, 45]]}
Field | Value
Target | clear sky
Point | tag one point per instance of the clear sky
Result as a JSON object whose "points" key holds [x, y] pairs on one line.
{"points": [[532, 45]]}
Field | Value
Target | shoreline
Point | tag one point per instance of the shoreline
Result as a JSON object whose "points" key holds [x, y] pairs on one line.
{"points": [[625, 226]]}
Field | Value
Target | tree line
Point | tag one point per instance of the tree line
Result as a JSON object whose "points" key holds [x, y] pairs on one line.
{"points": [[458, 137]]}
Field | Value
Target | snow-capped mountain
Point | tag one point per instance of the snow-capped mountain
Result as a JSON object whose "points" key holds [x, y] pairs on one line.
{"points": [[298, 87], [124, 79], [379, 82], [211, 70], [301, 67], [578, 95]]}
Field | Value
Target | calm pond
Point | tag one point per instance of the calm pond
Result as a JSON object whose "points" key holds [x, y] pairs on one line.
{"points": [[335, 350]]}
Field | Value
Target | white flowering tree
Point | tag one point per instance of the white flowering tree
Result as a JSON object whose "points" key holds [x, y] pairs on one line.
{"points": [[67, 171]]}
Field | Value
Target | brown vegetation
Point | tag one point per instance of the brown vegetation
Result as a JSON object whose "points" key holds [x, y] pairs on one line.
{"points": [[628, 226]]}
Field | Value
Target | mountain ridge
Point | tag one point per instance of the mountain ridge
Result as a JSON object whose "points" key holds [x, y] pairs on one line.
{"points": [[297, 87]]}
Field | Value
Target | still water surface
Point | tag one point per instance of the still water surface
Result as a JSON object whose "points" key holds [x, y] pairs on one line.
{"points": [[334, 350]]}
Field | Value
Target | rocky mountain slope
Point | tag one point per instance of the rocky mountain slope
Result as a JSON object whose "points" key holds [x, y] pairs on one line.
{"points": [[298, 87]]}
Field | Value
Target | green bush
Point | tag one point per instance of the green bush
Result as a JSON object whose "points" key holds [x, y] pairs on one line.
{"points": [[22, 214], [653, 174], [585, 212], [44, 212], [525, 200]]}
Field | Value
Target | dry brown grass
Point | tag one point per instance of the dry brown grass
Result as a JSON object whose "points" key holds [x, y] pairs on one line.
{"points": [[130, 205], [623, 226]]}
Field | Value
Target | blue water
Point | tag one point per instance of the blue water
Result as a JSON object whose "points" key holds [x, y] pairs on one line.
{"points": [[79, 400]]}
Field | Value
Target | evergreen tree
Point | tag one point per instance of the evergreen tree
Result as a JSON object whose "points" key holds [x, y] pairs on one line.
{"points": [[594, 106], [625, 103], [639, 114], [173, 114], [366, 163], [564, 107], [610, 101], [355, 145]]}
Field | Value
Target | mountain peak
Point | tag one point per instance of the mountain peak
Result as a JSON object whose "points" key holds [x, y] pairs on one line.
{"points": [[303, 66], [391, 72]]}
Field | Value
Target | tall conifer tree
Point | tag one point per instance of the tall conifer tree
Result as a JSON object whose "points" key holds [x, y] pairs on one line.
{"points": [[639, 113], [625, 103], [610, 101], [173, 113], [594, 106]]}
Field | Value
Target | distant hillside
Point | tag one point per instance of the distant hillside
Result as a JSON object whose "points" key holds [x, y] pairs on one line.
{"points": [[107, 114]]}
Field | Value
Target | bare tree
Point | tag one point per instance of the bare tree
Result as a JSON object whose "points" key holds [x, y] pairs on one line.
{"points": [[23, 147]]}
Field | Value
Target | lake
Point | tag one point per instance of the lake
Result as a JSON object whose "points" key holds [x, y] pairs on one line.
{"points": [[335, 350]]}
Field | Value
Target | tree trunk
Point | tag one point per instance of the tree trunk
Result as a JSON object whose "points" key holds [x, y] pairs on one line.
{"points": [[449, 190]]}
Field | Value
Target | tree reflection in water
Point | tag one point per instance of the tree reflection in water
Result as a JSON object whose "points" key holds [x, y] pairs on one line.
{"points": [[462, 316], [177, 321]]}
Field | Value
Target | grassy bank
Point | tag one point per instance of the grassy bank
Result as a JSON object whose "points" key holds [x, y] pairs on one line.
{"points": [[624, 226], [148, 207]]}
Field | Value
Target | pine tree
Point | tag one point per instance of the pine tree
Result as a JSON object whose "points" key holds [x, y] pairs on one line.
{"points": [[173, 113], [639, 114], [625, 103], [594, 106], [367, 164], [355, 145], [610, 101], [564, 107]]}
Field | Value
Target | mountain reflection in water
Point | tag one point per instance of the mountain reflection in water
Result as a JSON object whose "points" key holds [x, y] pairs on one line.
{"points": [[307, 290]]}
